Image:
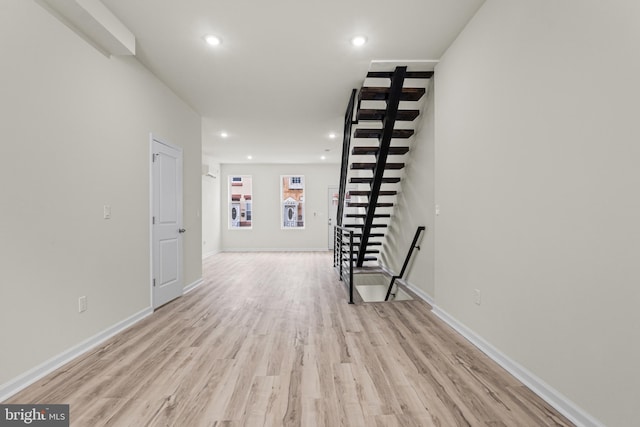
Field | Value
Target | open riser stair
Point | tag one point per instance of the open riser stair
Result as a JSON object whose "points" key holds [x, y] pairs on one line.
{"points": [[379, 127]]}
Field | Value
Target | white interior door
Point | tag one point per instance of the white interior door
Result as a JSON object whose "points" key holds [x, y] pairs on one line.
{"points": [[167, 228], [333, 212], [333, 209]]}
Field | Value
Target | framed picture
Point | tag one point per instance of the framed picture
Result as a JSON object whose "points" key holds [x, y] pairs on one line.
{"points": [[292, 201], [240, 202]]}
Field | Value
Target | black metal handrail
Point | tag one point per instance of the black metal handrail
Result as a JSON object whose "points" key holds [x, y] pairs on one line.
{"points": [[414, 245], [343, 256], [346, 146]]}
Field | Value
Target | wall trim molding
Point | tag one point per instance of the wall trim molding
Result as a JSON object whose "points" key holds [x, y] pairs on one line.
{"points": [[554, 398], [413, 288], [24, 380], [192, 286], [419, 292]]}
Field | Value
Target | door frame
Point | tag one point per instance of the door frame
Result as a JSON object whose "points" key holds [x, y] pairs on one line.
{"points": [[154, 138], [348, 188], [330, 233]]}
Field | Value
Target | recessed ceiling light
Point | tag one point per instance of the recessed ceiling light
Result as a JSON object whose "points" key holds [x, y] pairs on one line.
{"points": [[358, 40], [212, 40], [249, 157], [323, 157], [224, 134], [332, 135]]}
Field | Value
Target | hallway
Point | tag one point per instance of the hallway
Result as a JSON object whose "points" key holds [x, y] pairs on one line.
{"points": [[268, 339]]}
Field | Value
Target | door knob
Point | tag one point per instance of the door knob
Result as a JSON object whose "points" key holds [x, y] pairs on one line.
{"points": [[181, 230]]}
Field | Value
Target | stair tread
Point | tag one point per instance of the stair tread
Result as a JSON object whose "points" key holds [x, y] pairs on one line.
{"points": [[362, 225], [355, 252], [361, 151], [408, 74], [365, 259], [370, 235], [366, 114], [367, 251], [367, 192], [368, 165], [382, 93], [365, 215], [385, 180], [377, 133], [366, 204], [357, 244]]}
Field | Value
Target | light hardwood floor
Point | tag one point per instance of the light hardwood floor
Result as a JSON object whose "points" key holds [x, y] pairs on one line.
{"points": [[269, 340]]}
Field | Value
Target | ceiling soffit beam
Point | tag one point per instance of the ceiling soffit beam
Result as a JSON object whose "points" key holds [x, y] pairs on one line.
{"points": [[96, 24]]}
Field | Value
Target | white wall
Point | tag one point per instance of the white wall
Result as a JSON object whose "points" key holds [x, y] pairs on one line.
{"points": [[211, 221], [75, 136], [266, 233], [537, 177], [415, 207]]}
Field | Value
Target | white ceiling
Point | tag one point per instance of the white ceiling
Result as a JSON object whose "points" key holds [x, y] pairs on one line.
{"points": [[281, 80]]}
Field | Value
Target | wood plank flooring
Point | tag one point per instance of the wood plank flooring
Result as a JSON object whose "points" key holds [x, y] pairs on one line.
{"points": [[269, 340]]}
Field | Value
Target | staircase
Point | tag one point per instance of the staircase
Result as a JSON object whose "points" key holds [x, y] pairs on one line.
{"points": [[371, 172]]}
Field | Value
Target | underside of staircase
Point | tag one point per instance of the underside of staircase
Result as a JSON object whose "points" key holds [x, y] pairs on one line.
{"points": [[379, 125]]}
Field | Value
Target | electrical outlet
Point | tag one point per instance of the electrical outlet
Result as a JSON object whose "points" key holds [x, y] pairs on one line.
{"points": [[476, 293], [106, 212], [82, 304]]}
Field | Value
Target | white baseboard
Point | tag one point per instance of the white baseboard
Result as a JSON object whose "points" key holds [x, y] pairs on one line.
{"points": [[413, 288], [554, 398], [386, 269], [419, 292], [562, 404], [12, 387], [192, 286]]}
